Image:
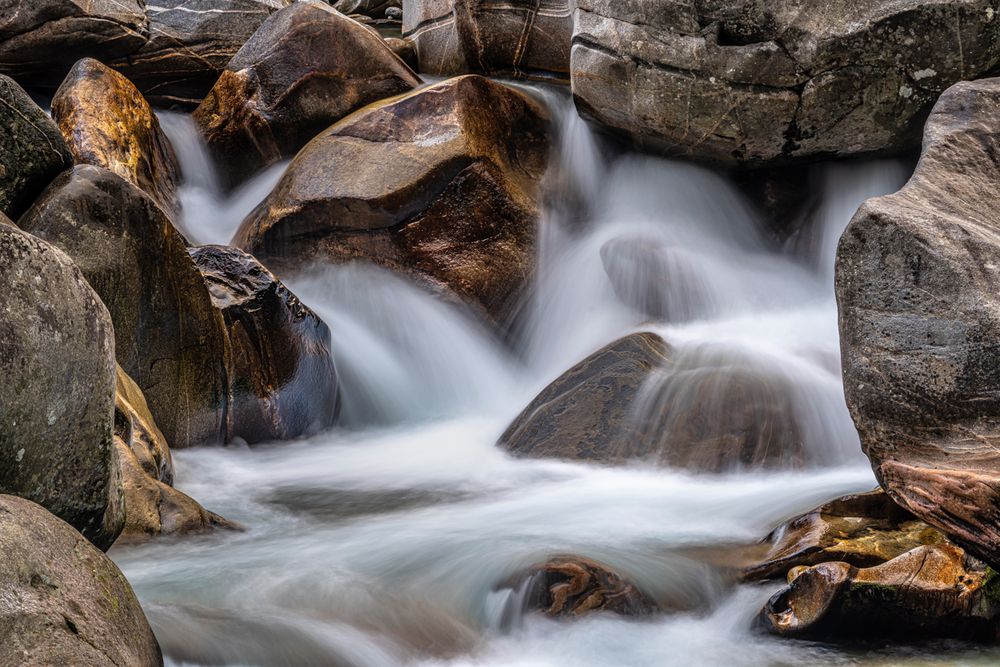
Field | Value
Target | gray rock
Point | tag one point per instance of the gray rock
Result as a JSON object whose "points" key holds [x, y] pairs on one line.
{"points": [[753, 82], [57, 396]]}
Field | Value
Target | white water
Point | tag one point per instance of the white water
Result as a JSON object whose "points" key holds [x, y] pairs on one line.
{"points": [[387, 541]]}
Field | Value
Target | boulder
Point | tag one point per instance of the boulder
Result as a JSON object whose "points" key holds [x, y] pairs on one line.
{"points": [[32, 151], [305, 67], [753, 82], [40, 40], [170, 337], [57, 353], [190, 43], [930, 591], [919, 296], [520, 38], [863, 530], [63, 602], [441, 184], [282, 380], [571, 586], [107, 123]]}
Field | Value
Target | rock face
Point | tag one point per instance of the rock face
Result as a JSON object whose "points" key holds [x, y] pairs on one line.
{"points": [[32, 151], [919, 320], [638, 399], [57, 396], [282, 381], [170, 337], [107, 123], [63, 602], [752, 82], [863, 530], [571, 586], [931, 591], [190, 44], [306, 67], [40, 40], [523, 38], [441, 184]]}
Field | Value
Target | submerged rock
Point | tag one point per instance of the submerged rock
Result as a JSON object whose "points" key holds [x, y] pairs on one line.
{"points": [[441, 184], [107, 123], [862, 530], [170, 338], [57, 392], [64, 602], [918, 293], [930, 591], [282, 380], [753, 82], [522, 38], [190, 43], [32, 151], [306, 67]]}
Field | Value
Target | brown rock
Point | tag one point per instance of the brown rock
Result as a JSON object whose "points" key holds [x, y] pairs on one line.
{"points": [[306, 67], [57, 390], [441, 184], [63, 602], [107, 123], [404, 50], [282, 381], [170, 338], [920, 318]]}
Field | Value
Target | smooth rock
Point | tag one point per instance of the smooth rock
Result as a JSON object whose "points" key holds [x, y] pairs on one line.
{"points": [[520, 38], [170, 338], [753, 82], [441, 184], [305, 67], [107, 123], [919, 298], [404, 50], [282, 380], [32, 151], [57, 353]]}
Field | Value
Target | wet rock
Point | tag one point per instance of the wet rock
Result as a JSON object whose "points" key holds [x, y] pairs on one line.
{"points": [[930, 591], [863, 530], [190, 44], [920, 320], [282, 380], [404, 50], [571, 586], [754, 82], [441, 185], [64, 602], [306, 67], [521, 38], [107, 123], [40, 40], [32, 151], [170, 338], [57, 394]]}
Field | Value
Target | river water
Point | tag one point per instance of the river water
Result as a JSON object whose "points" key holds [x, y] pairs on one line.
{"points": [[387, 541]]}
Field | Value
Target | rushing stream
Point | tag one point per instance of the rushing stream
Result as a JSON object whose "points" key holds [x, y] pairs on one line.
{"points": [[388, 540]]}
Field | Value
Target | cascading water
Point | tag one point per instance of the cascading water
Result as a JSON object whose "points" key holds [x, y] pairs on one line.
{"points": [[389, 541]]}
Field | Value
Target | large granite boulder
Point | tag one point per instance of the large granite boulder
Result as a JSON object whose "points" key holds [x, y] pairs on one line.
{"points": [[57, 354], [40, 40], [919, 292], [190, 44], [63, 602], [32, 151], [170, 337], [753, 82], [520, 38], [441, 184], [107, 123], [282, 380], [305, 67]]}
